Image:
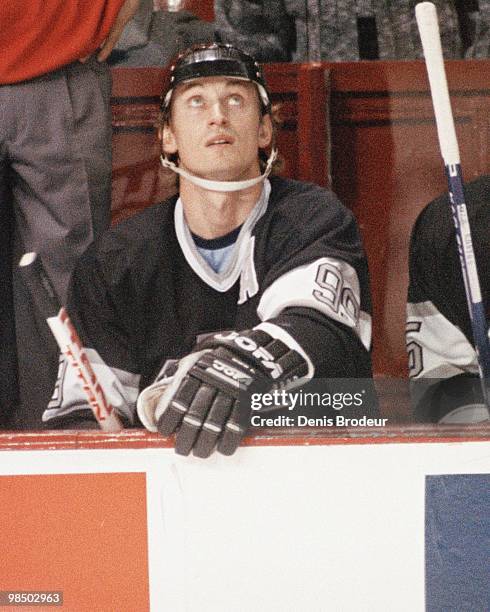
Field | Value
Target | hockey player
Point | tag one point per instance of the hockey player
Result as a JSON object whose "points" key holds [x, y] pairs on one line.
{"points": [[273, 265], [443, 363]]}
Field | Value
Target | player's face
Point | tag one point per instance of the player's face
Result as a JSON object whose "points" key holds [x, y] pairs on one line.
{"points": [[216, 128]]}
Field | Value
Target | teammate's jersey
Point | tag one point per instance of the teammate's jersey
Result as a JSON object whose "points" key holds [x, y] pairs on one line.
{"points": [[143, 294], [442, 358]]}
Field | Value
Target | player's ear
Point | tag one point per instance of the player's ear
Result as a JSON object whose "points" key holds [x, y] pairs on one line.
{"points": [[167, 138], [265, 131]]}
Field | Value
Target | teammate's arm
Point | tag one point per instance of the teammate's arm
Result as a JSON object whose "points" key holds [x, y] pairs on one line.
{"points": [[126, 13], [443, 365]]}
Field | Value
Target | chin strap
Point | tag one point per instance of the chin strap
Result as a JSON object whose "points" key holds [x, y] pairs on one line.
{"points": [[221, 185]]}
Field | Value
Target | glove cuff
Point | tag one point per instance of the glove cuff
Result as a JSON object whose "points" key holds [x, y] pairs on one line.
{"points": [[153, 400]]}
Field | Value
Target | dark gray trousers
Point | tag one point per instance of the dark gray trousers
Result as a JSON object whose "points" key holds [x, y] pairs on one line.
{"points": [[55, 177]]}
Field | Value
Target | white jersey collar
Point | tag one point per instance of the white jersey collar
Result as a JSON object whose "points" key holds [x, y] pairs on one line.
{"points": [[224, 280]]}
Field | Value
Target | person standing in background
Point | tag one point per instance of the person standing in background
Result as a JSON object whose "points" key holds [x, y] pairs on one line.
{"points": [[155, 35], [55, 170], [342, 31], [475, 17]]}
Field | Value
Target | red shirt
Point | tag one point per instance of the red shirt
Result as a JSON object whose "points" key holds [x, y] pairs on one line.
{"points": [[38, 36]]}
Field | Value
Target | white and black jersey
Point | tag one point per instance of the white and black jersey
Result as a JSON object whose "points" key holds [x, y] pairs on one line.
{"points": [[442, 357], [143, 294]]}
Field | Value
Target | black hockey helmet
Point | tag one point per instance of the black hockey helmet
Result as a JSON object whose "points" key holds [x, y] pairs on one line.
{"points": [[215, 59]]}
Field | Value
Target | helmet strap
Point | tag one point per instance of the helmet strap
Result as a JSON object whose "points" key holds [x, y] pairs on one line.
{"points": [[223, 186]]}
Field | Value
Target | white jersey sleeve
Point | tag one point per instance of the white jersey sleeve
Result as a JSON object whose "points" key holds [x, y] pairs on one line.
{"points": [[70, 399]]}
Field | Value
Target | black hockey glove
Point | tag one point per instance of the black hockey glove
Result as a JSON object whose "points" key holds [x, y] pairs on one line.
{"points": [[209, 405]]}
